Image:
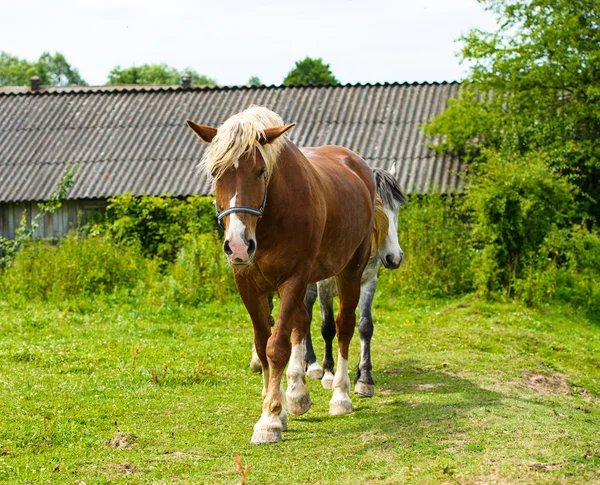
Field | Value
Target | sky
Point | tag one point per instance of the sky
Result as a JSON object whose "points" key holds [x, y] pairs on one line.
{"points": [[230, 41]]}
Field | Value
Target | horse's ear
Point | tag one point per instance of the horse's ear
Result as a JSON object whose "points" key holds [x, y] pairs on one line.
{"points": [[393, 169], [205, 133], [271, 134]]}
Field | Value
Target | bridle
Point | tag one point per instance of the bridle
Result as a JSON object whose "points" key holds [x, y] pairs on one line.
{"points": [[242, 208]]}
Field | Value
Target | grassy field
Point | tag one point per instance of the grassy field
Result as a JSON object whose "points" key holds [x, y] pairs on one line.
{"points": [[467, 392]]}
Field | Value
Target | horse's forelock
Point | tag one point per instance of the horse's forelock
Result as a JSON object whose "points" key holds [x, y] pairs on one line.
{"points": [[388, 188], [240, 134]]}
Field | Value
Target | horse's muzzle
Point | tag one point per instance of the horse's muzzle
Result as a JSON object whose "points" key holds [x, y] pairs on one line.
{"points": [[239, 250], [393, 261]]}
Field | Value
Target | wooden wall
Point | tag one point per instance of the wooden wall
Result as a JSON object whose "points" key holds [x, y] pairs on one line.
{"points": [[71, 214]]}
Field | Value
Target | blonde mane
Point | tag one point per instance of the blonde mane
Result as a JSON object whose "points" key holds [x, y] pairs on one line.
{"points": [[240, 134]]}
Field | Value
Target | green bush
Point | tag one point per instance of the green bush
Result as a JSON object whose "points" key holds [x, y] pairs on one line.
{"points": [[515, 204], [436, 243], [75, 266], [567, 270], [158, 224]]}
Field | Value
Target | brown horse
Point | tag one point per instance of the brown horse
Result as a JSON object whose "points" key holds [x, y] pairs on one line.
{"points": [[314, 222]]}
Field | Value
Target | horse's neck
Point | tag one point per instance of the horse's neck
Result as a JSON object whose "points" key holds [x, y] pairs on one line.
{"points": [[288, 170]]}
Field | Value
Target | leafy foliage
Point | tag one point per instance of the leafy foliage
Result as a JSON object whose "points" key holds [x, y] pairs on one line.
{"points": [[200, 273], [155, 74], [158, 224], [527, 121], [566, 269], [52, 69], [254, 81], [310, 71], [541, 68], [515, 204]]}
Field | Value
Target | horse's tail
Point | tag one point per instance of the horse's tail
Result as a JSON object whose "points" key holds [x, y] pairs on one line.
{"points": [[380, 227]]}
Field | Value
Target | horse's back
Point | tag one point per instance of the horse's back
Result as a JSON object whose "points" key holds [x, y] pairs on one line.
{"points": [[347, 189], [326, 157], [332, 162]]}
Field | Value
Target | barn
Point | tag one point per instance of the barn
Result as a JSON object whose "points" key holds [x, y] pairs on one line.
{"points": [[134, 139]]}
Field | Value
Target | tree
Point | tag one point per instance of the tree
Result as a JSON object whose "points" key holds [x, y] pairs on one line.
{"points": [[155, 74], [199, 79], [310, 71], [254, 81], [527, 122], [541, 75], [52, 69]]}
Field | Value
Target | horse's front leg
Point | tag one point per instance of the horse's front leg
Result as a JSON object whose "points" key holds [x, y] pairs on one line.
{"points": [[255, 363], [259, 310], [313, 369], [363, 381], [292, 322]]}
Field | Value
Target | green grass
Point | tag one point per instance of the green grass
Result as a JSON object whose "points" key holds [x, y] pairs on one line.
{"points": [[467, 392]]}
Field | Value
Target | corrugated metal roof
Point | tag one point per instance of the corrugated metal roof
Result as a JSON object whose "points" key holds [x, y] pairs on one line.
{"points": [[134, 138]]}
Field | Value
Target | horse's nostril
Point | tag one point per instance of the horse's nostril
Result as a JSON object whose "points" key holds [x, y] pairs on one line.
{"points": [[389, 258], [251, 247], [227, 248]]}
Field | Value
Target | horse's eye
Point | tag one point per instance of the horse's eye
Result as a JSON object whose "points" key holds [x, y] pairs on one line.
{"points": [[261, 172]]}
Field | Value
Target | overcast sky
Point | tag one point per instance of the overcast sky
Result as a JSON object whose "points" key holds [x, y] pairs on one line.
{"points": [[231, 40]]}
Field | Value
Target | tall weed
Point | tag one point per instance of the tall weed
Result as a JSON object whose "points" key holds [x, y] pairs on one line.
{"points": [[199, 274], [437, 247], [76, 266]]}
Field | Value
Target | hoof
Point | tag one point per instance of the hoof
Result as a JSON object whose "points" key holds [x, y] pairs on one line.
{"points": [[367, 390], [267, 430], [340, 406], [266, 436], [297, 407], [314, 371], [283, 418], [327, 380]]}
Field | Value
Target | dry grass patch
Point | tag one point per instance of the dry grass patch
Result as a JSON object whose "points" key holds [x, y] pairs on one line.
{"points": [[121, 441], [546, 384]]}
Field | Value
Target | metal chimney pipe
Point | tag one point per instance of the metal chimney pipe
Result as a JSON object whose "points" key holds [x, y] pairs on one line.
{"points": [[35, 83], [186, 81]]}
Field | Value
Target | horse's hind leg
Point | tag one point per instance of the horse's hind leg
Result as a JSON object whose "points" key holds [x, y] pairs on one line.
{"points": [[313, 369], [348, 284], [363, 381], [326, 294]]}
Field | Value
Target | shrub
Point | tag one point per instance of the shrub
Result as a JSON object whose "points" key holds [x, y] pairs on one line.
{"points": [[75, 266], [515, 205], [436, 243], [567, 269], [158, 224]]}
